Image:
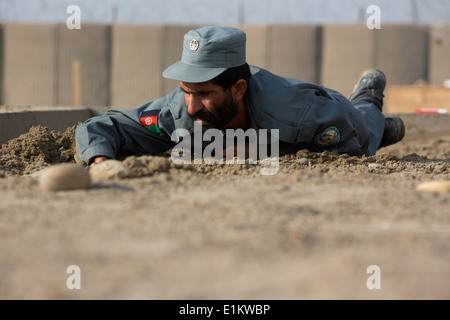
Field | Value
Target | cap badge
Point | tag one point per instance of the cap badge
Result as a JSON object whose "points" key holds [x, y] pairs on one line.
{"points": [[193, 45]]}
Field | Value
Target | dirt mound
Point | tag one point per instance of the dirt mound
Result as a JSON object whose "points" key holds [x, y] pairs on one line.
{"points": [[40, 147], [36, 149]]}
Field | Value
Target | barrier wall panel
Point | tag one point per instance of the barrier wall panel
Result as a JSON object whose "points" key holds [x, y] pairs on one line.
{"points": [[256, 51], [401, 52], [136, 65], [29, 64], [122, 65], [90, 47], [13, 124], [293, 51], [1, 65], [347, 50], [439, 56]]}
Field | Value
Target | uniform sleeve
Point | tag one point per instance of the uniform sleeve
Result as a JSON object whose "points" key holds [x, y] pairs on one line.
{"points": [[120, 131]]}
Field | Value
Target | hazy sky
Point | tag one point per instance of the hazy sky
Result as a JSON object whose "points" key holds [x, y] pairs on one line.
{"points": [[226, 11]]}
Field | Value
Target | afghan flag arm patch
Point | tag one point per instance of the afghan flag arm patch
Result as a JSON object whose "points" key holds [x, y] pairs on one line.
{"points": [[149, 119]]}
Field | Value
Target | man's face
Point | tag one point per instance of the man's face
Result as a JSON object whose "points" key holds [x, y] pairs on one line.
{"points": [[209, 104]]}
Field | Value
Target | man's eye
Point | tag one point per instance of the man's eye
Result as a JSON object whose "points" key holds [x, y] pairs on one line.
{"points": [[201, 94]]}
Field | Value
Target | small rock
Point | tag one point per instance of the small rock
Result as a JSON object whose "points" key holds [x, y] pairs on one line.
{"points": [[373, 165], [109, 170], [66, 176], [303, 161], [434, 186]]}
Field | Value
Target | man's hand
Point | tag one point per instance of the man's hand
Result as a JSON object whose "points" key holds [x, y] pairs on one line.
{"points": [[97, 160]]}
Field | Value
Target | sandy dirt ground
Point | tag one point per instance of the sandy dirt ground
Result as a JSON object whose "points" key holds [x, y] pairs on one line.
{"points": [[147, 229]]}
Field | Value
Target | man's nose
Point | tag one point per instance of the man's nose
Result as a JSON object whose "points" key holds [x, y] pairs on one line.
{"points": [[193, 103]]}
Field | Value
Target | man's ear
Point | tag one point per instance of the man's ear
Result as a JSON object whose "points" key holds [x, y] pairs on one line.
{"points": [[238, 90]]}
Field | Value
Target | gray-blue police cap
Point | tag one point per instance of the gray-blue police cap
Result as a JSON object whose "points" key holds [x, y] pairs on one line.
{"points": [[207, 52]]}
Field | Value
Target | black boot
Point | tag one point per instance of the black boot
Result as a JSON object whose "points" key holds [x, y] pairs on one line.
{"points": [[370, 87], [394, 131]]}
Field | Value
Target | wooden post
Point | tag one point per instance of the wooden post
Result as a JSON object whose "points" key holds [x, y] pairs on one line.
{"points": [[76, 83]]}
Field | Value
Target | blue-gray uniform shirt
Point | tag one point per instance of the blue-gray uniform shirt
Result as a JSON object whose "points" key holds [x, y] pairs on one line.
{"points": [[307, 115]]}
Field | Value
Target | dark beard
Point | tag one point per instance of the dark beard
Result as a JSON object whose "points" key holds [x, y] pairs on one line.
{"points": [[220, 116]]}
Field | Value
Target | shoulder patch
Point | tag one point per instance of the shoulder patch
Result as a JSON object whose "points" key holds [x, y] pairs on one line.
{"points": [[149, 119], [328, 138]]}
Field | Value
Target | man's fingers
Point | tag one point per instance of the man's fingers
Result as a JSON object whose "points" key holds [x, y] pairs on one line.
{"points": [[97, 160]]}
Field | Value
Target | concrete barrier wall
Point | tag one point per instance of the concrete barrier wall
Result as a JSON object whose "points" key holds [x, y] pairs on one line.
{"points": [[121, 65], [38, 62], [439, 59], [139, 56], [29, 65], [136, 65], [90, 46], [257, 53], [13, 124], [286, 50], [346, 51], [402, 53], [294, 51], [1, 63]]}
